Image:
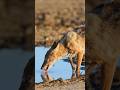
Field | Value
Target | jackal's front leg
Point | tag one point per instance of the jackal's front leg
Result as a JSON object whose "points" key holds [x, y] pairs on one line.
{"points": [[79, 61], [73, 65]]}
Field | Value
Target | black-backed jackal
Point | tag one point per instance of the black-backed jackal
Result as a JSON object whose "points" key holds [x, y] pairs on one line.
{"points": [[72, 45]]}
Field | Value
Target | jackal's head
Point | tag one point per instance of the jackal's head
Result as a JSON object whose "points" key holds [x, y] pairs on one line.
{"points": [[56, 52]]}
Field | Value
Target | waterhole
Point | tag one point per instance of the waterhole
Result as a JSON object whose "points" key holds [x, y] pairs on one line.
{"points": [[61, 69]]}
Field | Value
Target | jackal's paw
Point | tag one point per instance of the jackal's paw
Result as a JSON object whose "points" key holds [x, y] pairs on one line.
{"points": [[73, 76], [78, 75]]}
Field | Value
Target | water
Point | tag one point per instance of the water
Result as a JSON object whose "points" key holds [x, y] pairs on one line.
{"points": [[60, 69]]}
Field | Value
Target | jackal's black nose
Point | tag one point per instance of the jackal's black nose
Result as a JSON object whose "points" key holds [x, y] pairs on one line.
{"points": [[45, 68], [42, 67]]}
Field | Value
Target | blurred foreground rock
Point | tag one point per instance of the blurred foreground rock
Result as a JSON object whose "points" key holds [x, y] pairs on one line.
{"points": [[28, 78]]}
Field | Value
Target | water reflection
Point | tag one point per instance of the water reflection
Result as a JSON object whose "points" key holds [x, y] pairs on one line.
{"points": [[46, 77], [60, 69]]}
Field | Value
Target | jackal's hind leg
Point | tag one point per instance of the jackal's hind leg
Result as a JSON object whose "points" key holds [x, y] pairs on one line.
{"points": [[79, 61]]}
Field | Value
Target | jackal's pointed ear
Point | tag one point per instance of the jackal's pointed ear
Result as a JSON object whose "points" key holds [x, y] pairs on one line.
{"points": [[57, 47], [54, 44]]}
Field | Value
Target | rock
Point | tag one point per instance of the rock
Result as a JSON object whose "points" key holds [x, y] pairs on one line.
{"points": [[28, 79]]}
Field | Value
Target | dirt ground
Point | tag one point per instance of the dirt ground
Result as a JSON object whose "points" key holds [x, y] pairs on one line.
{"points": [[75, 84]]}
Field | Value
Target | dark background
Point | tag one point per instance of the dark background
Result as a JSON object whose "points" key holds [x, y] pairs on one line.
{"points": [[16, 40]]}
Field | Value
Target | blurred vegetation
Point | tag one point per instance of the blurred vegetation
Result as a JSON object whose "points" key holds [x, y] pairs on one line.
{"points": [[16, 23], [53, 17]]}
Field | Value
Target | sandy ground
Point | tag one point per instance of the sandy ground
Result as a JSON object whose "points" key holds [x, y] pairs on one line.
{"points": [[76, 84]]}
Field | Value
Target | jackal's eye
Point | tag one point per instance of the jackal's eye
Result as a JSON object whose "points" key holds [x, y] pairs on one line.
{"points": [[47, 67], [51, 53]]}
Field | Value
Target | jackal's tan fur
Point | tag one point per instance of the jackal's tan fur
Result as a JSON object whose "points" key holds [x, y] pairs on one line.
{"points": [[71, 44]]}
